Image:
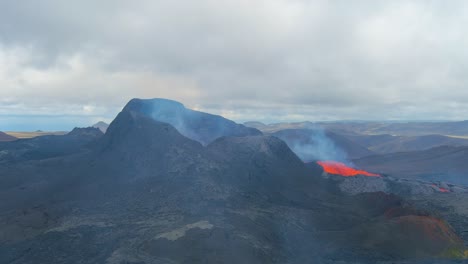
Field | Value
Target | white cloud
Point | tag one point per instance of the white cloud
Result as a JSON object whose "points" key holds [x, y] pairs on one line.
{"points": [[245, 59]]}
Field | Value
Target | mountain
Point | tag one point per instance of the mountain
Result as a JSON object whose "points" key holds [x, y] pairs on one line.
{"points": [[317, 144], [145, 193], [101, 126], [445, 163], [43, 147], [384, 144], [6, 137], [199, 126]]}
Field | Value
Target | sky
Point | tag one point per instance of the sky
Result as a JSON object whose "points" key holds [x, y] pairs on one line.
{"points": [[72, 63]]}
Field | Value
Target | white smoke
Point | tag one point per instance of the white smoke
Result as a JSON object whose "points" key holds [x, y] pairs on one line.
{"points": [[313, 144]]}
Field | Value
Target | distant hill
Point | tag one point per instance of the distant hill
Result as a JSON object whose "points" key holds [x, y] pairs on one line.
{"points": [[381, 137], [271, 128], [410, 128], [458, 128], [445, 163], [102, 126], [6, 137], [384, 144]]}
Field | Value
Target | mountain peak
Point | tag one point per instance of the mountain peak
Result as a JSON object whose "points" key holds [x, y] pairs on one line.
{"points": [[196, 125], [149, 106], [132, 129]]}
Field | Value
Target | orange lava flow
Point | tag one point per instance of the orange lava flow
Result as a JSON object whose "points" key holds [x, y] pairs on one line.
{"points": [[441, 189], [338, 168]]}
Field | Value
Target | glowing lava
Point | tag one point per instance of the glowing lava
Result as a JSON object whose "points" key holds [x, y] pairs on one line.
{"points": [[338, 168], [441, 189]]}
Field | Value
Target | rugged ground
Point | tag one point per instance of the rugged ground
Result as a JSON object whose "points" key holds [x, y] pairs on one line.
{"points": [[145, 193]]}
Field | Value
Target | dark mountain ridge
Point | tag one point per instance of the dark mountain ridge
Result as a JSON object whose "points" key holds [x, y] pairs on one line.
{"points": [[199, 126]]}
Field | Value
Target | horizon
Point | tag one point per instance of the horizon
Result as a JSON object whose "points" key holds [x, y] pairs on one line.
{"points": [[271, 61], [65, 123]]}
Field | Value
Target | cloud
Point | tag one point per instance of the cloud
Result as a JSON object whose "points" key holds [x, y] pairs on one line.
{"points": [[265, 60]]}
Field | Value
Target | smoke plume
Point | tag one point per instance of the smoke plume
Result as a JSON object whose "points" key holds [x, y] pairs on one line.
{"points": [[312, 144]]}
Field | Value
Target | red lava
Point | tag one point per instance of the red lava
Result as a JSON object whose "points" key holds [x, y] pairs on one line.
{"points": [[338, 168], [441, 189]]}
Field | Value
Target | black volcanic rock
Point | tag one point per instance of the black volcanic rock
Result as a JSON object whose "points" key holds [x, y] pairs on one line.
{"points": [[135, 131], [262, 163], [6, 137], [202, 127], [147, 146]]}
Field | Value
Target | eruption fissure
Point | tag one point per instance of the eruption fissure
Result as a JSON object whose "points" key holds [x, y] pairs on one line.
{"points": [[338, 168]]}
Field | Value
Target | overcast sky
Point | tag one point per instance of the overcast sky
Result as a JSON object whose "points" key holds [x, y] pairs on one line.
{"points": [[72, 63]]}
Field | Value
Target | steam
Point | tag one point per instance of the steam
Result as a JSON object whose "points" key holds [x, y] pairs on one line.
{"points": [[313, 144], [173, 113], [199, 126]]}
